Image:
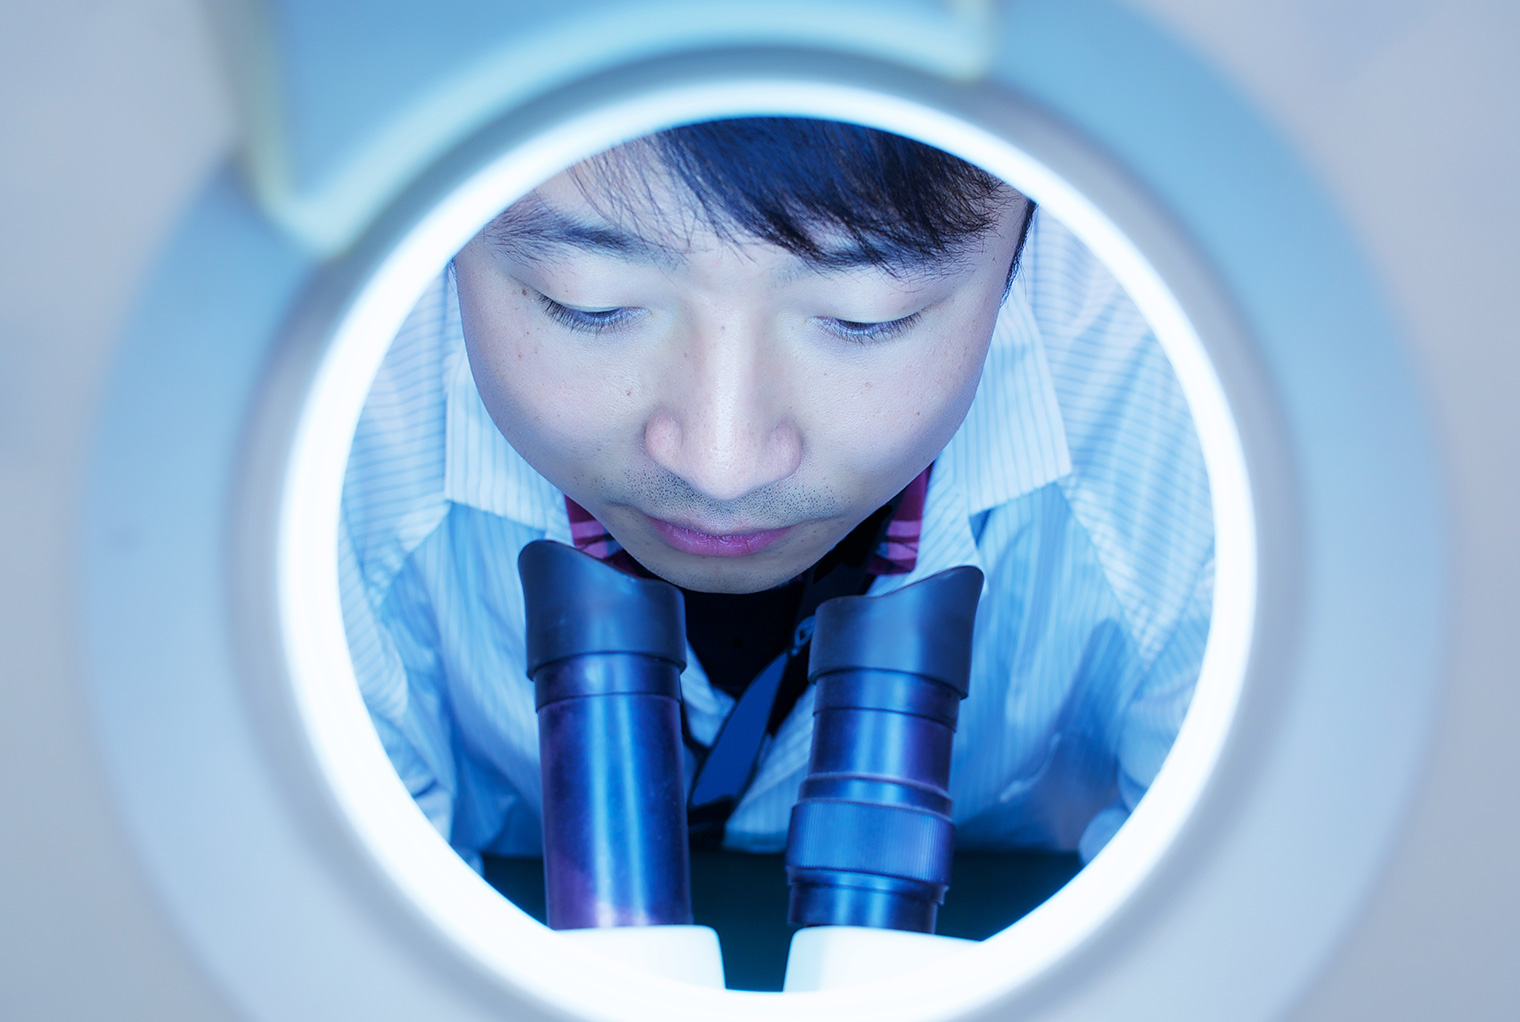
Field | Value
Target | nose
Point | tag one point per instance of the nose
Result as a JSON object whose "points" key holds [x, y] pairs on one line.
{"points": [[725, 422]]}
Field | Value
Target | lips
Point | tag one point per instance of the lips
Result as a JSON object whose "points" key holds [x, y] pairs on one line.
{"points": [[707, 544]]}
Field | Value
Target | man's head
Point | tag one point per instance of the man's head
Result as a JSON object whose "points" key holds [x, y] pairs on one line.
{"points": [[733, 342]]}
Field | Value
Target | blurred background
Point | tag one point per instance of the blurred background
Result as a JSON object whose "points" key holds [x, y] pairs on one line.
{"points": [[113, 115]]}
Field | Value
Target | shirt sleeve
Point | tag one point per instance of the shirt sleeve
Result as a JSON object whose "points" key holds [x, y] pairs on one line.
{"points": [[396, 693], [1150, 721]]}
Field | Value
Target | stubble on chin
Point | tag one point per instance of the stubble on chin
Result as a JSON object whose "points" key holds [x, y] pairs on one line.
{"points": [[655, 493]]}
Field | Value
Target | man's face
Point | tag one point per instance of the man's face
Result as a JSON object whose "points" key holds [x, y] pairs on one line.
{"points": [[727, 410]]}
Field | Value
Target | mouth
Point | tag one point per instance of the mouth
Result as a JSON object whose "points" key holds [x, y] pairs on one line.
{"points": [[708, 544]]}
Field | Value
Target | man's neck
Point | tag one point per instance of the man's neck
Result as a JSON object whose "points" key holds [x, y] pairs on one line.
{"points": [[735, 635]]}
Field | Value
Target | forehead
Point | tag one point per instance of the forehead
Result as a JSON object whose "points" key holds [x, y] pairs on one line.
{"points": [[620, 211], [631, 187], [624, 204]]}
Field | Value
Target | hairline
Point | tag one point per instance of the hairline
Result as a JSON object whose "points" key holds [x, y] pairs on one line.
{"points": [[532, 226]]}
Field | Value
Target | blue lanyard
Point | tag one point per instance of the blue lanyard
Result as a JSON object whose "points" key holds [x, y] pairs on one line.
{"points": [[725, 769]]}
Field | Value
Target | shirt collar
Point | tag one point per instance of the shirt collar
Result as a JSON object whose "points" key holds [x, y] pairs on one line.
{"points": [[481, 469], [1012, 440]]}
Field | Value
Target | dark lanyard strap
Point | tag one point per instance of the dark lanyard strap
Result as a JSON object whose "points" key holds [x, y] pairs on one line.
{"points": [[725, 769]]}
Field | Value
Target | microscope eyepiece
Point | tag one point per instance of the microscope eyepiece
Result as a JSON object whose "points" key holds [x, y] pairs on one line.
{"points": [[923, 630], [605, 652], [871, 835], [577, 605]]}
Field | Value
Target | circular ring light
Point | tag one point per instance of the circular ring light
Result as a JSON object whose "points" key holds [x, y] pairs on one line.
{"points": [[452, 898]]}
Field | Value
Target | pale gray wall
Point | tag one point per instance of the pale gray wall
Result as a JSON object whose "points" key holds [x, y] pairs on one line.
{"points": [[110, 117], [1410, 111]]}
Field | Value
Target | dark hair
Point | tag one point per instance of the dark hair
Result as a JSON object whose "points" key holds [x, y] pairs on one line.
{"points": [[795, 182]]}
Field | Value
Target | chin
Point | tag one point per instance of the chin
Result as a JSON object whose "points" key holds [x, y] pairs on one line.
{"points": [[724, 576]]}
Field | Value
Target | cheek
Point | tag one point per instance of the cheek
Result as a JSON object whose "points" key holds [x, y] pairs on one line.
{"points": [[955, 369], [901, 417], [537, 388]]}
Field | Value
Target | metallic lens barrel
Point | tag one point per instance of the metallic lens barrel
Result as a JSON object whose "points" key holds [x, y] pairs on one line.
{"points": [[871, 836], [605, 652]]}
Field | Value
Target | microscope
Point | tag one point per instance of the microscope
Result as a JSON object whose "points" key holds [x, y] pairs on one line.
{"points": [[870, 842]]}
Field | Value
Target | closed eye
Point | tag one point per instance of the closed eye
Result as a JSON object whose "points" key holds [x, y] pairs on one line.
{"points": [[852, 330], [587, 321]]}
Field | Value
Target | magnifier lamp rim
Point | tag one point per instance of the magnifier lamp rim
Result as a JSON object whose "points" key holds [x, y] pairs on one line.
{"points": [[388, 824]]}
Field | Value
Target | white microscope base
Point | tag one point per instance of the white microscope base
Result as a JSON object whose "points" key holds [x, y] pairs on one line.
{"points": [[686, 954], [829, 957]]}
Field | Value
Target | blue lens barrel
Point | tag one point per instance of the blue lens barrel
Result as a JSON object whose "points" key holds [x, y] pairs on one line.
{"points": [[871, 835], [605, 652]]}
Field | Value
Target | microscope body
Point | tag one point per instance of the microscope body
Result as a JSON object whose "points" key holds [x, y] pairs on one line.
{"points": [[605, 653], [871, 839], [870, 842]]}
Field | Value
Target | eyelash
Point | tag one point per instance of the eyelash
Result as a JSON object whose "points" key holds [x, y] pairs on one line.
{"points": [[600, 321], [585, 322], [866, 333]]}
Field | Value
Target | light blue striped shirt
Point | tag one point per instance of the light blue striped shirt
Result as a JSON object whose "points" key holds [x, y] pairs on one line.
{"points": [[1076, 484]]}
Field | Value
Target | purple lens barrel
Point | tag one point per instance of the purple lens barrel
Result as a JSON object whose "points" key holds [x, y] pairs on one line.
{"points": [[871, 835], [605, 652]]}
